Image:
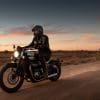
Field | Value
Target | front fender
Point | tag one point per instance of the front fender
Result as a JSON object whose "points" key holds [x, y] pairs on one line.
{"points": [[9, 64]]}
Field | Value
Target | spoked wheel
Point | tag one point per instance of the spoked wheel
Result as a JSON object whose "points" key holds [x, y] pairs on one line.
{"points": [[57, 69], [9, 80]]}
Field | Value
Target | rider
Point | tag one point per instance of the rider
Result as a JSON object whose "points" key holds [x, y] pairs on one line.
{"points": [[41, 42]]}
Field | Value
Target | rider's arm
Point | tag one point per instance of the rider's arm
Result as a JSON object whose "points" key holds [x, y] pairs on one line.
{"points": [[30, 45]]}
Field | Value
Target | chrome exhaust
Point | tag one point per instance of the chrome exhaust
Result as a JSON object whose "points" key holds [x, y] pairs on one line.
{"points": [[52, 75]]}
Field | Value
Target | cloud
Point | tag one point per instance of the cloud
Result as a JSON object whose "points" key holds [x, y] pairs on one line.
{"points": [[60, 29], [26, 30], [89, 37], [48, 29], [59, 39], [22, 30], [52, 28], [17, 31]]}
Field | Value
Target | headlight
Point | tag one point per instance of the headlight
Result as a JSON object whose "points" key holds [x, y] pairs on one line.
{"points": [[16, 54]]}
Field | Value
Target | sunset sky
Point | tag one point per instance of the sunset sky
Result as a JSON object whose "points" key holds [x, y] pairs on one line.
{"points": [[70, 24]]}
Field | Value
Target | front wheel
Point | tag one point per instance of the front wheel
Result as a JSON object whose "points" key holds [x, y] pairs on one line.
{"points": [[9, 81], [57, 69]]}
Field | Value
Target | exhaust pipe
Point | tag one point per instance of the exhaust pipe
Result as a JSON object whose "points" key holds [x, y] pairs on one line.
{"points": [[52, 75]]}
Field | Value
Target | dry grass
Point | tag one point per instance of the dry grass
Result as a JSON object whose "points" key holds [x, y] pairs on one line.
{"points": [[77, 57], [68, 57]]}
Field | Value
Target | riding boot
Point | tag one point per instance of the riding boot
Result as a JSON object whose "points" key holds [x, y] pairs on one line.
{"points": [[45, 72]]}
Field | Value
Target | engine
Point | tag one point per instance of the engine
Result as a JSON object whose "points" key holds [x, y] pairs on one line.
{"points": [[36, 70]]}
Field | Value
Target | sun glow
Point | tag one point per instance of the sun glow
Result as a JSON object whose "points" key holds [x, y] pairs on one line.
{"points": [[57, 41]]}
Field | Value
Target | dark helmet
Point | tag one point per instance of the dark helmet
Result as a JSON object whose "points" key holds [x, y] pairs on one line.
{"points": [[38, 29]]}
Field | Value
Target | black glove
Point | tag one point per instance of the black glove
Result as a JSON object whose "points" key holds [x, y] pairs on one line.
{"points": [[19, 48]]}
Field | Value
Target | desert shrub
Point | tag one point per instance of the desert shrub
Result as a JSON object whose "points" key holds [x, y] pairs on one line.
{"points": [[98, 56]]}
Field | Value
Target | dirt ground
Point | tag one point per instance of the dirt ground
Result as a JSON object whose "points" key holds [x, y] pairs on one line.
{"points": [[77, 82], [68, 57]]}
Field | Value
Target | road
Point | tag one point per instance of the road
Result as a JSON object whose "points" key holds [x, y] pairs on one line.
{"points": [[77, 82]]}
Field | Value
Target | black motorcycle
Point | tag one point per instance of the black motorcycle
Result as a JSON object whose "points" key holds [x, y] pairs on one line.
{"points": [[25, 65]]}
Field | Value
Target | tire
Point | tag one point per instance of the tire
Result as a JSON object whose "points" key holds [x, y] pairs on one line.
{"points": [[2, 84], [55, 78]]}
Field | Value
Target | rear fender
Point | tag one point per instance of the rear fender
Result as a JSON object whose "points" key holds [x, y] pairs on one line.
{"points": [[55, 61]]}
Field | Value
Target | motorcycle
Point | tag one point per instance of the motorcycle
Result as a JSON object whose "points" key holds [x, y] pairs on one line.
{"points": [[25, 65]]}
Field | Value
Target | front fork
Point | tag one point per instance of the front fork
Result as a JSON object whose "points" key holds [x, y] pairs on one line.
{"points": [[23, 67], [19, 68]]}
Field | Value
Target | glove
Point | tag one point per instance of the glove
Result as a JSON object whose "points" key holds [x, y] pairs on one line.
{"points": [[19, 48]]}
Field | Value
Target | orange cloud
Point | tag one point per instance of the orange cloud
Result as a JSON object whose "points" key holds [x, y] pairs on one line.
{"points": [[58, 40], [19, 34], [15, 34], [17, 31], [89, 37]]}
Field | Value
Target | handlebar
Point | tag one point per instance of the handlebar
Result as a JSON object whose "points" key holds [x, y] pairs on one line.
{"points": [[26, 49]]}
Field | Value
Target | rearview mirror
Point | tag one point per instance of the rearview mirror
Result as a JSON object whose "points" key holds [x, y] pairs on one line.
{"points": [[14, 46]]}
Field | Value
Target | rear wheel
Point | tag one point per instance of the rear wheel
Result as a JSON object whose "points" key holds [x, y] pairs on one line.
{"points": [[58, 71], [9, 81]]}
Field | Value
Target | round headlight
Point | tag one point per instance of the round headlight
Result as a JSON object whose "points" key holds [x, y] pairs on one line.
{"points": [[16, 54]]}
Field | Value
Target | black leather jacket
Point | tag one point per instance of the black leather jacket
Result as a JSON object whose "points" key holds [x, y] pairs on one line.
{"points": [[41, 43]]}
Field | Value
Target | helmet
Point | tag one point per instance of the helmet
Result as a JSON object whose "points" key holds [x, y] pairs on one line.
{"points": [[38, 30]]}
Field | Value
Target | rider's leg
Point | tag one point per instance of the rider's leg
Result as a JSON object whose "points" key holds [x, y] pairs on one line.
{"points": [[43, 62]]}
